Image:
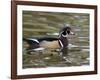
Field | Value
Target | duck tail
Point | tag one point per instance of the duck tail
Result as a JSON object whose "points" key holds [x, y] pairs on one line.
{"points": [[27, 40], [24, 39]]}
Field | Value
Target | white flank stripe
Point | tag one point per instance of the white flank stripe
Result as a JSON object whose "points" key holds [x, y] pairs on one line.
{"points": [[38, 49], [61, 43]]}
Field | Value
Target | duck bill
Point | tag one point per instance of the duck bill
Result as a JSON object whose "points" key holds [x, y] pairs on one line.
{"points": [[72, 33]]}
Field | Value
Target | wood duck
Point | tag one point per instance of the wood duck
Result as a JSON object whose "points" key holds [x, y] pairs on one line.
{"points": [[47, 42]]}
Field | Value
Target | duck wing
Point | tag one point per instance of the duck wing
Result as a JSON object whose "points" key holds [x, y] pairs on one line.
{"points": [[47, 39]]}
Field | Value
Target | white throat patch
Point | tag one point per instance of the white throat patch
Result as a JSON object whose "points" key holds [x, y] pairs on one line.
{"points": [[65, 35]]}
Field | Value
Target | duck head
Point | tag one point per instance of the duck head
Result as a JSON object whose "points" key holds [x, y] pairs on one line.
{"points": [[66, 31], [63, 36]]}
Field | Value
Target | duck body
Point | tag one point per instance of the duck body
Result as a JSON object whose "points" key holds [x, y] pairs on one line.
{"points": [[43, 42], [49, 42]]}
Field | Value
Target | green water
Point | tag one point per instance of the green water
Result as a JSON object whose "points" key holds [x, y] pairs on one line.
{"points": [[40, 24]]}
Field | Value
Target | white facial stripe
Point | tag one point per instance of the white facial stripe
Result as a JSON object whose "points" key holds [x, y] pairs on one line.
{"points": [[34, 40], [61, 43]]}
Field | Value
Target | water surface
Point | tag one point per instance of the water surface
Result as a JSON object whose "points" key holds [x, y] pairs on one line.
{"points": [[47, 24]]}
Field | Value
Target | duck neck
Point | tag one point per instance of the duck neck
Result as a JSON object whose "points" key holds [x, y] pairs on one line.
{"points": [[63, 41]]}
